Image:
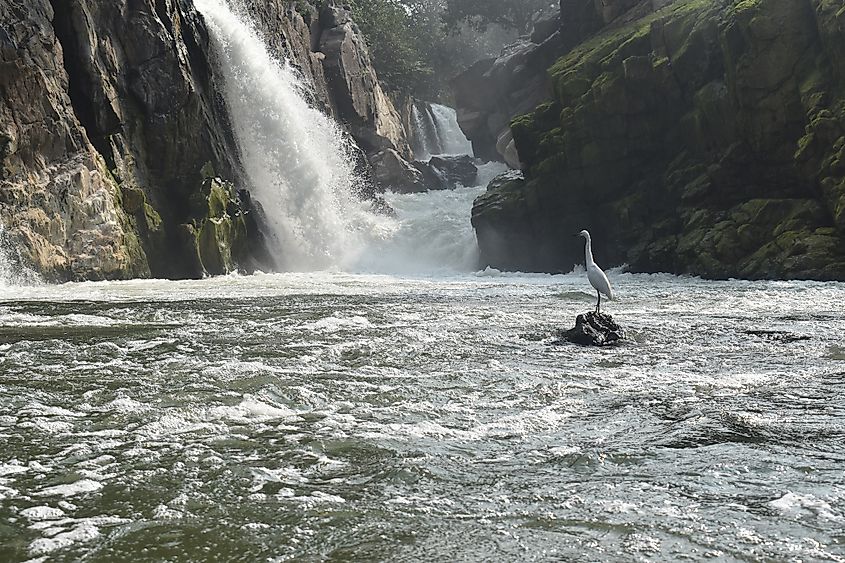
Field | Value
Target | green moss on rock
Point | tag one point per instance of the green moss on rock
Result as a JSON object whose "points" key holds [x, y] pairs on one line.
{"points": [[217, 236], [705, 138]]}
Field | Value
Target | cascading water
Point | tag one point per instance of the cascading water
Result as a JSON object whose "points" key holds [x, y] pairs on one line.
{"points": [[452, 139], [432, 232], [426, 139], [12, 272], [437, 131], [5, 263], [298, 164], [296, 158]]}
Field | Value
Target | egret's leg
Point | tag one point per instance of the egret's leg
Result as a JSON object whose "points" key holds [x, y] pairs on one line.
{"points": [[598, 303]]}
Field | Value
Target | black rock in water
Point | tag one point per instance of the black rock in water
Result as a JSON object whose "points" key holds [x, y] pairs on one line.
{"points": [[592, 329]]}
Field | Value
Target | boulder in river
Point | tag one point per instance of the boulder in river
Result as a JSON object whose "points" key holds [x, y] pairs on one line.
{"points": [[447, 171], [592, 329], [393, 172]]}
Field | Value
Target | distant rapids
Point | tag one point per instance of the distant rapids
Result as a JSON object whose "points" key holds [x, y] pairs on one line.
{"points": [[420, 418]]}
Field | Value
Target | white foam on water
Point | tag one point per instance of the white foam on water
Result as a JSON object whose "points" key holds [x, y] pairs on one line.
{"points": [[59, 537], [251, 409], [795, 504], [433, 234], [71, 489], [38, 513]]}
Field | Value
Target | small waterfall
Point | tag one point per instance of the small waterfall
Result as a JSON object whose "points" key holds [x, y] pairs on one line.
{"points": [[296, 158], [425, 137], [437, 131], [452, 139]]}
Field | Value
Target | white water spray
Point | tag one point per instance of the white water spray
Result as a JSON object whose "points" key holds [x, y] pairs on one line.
{"points": [[432, 233], [300, 169], [12, 272], [296, 158]]}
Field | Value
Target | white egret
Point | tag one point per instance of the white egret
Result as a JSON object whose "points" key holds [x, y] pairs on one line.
{"points": [[597, 277]]}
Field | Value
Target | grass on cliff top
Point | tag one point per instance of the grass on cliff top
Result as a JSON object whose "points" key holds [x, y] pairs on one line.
{"points": [[597, 48]]}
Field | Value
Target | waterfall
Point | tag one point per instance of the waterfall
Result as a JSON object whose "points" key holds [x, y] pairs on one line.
{"points": [[297, 160], [299, 167], [436, 131], [449, 132], [12, 271], [425, 137]]}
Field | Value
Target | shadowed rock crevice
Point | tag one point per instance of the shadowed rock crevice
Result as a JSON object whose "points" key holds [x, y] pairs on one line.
{"points": [[97, 120]]}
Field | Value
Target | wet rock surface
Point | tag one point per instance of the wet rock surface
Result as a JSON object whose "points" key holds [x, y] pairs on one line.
{"points": [[111, 124], [778, 335], [445, 172], [592, 329], [704, 138]]}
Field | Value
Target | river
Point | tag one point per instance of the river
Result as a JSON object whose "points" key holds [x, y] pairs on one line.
{"points": [[388, 402], [373, 417]]}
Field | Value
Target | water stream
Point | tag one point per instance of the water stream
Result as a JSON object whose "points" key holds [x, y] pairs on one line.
{"points": [[437, 131]]}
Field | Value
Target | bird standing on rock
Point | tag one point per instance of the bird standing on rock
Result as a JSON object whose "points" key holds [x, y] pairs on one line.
{"points": [[597, 277]]}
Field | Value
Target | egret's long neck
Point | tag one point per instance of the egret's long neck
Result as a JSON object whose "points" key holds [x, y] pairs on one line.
{"points": [[588, 252]]}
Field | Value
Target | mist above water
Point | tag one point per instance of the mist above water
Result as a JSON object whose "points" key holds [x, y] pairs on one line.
{"points": [[300, 169], [297, 160]]}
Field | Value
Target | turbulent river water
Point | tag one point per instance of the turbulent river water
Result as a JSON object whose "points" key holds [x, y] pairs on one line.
{"points": [[372, 417]]}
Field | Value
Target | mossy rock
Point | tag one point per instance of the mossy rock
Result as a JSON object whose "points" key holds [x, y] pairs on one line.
{"points": [[219, 237], [133, 200], [216, 241], [723, 120]]}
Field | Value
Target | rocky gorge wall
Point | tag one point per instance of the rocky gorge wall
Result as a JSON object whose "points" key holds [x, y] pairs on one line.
{"points": [[696, 136], [116, 154]]}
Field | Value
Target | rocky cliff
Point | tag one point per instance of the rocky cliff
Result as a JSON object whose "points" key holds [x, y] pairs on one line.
{"points": [[116, 155], [694, 136]]}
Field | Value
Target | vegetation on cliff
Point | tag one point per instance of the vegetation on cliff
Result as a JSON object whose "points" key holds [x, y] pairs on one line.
{"points": [[703, 138], [418, 46]]}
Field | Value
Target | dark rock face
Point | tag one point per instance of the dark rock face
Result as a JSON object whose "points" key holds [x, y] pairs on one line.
{"points": [[459, 169], [113, 128], [97, 184], [592, 329], [492, 91], [704, 138], [392, 172], [446, 172]]}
